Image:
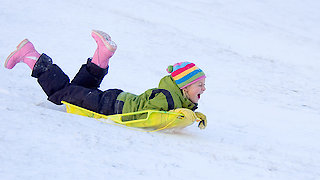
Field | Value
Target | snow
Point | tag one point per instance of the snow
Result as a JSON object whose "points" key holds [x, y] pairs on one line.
{"points": [[262, 100]]}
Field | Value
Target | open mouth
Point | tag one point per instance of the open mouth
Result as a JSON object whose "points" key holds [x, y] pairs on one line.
{"points": [[198, 96]]}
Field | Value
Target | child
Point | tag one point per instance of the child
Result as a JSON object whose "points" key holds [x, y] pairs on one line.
{"points": [[181, 89]]}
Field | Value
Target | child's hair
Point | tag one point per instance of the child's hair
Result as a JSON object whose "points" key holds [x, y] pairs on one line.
{"points": [[185, 93], [185, 74]]}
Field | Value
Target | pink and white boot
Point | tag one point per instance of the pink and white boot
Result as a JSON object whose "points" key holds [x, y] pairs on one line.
{"points": [[25, 53], [105, 50]]}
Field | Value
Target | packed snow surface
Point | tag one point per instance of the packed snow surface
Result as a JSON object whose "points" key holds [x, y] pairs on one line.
{"points": [[261, 58]]}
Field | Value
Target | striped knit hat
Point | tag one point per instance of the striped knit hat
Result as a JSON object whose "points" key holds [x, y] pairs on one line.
{"points": [[185, 73]]}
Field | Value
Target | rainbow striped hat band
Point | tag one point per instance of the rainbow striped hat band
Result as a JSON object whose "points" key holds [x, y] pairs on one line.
{"points": [[185, 73]]}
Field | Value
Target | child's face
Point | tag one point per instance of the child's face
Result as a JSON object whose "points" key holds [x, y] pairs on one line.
{"points": [[195, 90]]}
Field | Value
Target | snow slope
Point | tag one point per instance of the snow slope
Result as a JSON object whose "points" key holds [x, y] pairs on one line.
{"points": [[262, 100]]}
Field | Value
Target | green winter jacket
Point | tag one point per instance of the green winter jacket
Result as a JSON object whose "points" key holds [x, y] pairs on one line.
{"points": [[166, 97]]}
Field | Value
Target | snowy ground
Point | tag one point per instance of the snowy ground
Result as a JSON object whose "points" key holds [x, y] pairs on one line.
{"points": [[262, 100]]}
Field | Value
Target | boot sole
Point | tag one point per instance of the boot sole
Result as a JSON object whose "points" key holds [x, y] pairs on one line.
{"points": [[106, 39], [20, 46]]}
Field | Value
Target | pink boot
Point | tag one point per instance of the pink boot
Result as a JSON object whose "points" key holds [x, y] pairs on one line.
{"points": [[105, 50], [25, 52]]}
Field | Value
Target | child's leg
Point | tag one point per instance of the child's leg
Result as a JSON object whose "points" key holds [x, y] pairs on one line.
{"points": [[54, 78], [55, 83], [90, 75], [50, 77]]}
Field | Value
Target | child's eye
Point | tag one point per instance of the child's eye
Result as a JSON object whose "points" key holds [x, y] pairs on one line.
{"points": [[201, 85]]}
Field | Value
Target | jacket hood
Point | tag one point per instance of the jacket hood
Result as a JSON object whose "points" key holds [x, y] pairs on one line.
{"points": [[169, 84]]}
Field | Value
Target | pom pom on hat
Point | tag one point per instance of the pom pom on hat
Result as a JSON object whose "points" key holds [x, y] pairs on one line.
{"points": [[185, 73], [170, 69]]}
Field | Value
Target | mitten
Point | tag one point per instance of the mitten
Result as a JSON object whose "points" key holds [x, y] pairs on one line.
{"points": [[203, 122]]}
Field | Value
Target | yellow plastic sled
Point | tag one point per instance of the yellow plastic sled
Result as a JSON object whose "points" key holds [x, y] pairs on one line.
{"points": [[156, 120]]}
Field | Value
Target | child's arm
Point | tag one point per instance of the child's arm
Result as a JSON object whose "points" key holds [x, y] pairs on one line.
{"points": [[194, 116], [159, 102]]}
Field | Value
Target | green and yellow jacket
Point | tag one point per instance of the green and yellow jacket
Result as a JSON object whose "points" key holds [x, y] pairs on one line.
{"points": [[166, 97]]}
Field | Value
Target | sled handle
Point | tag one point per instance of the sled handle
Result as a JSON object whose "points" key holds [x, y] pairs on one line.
{"points": [[145, 113]]}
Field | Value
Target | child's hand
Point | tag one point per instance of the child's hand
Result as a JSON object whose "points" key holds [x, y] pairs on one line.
{"points": [[194, 116], [188, 114], [203, 122]]}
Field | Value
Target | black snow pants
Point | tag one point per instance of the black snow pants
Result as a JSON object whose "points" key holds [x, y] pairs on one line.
{"points": [[81, 91]]}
